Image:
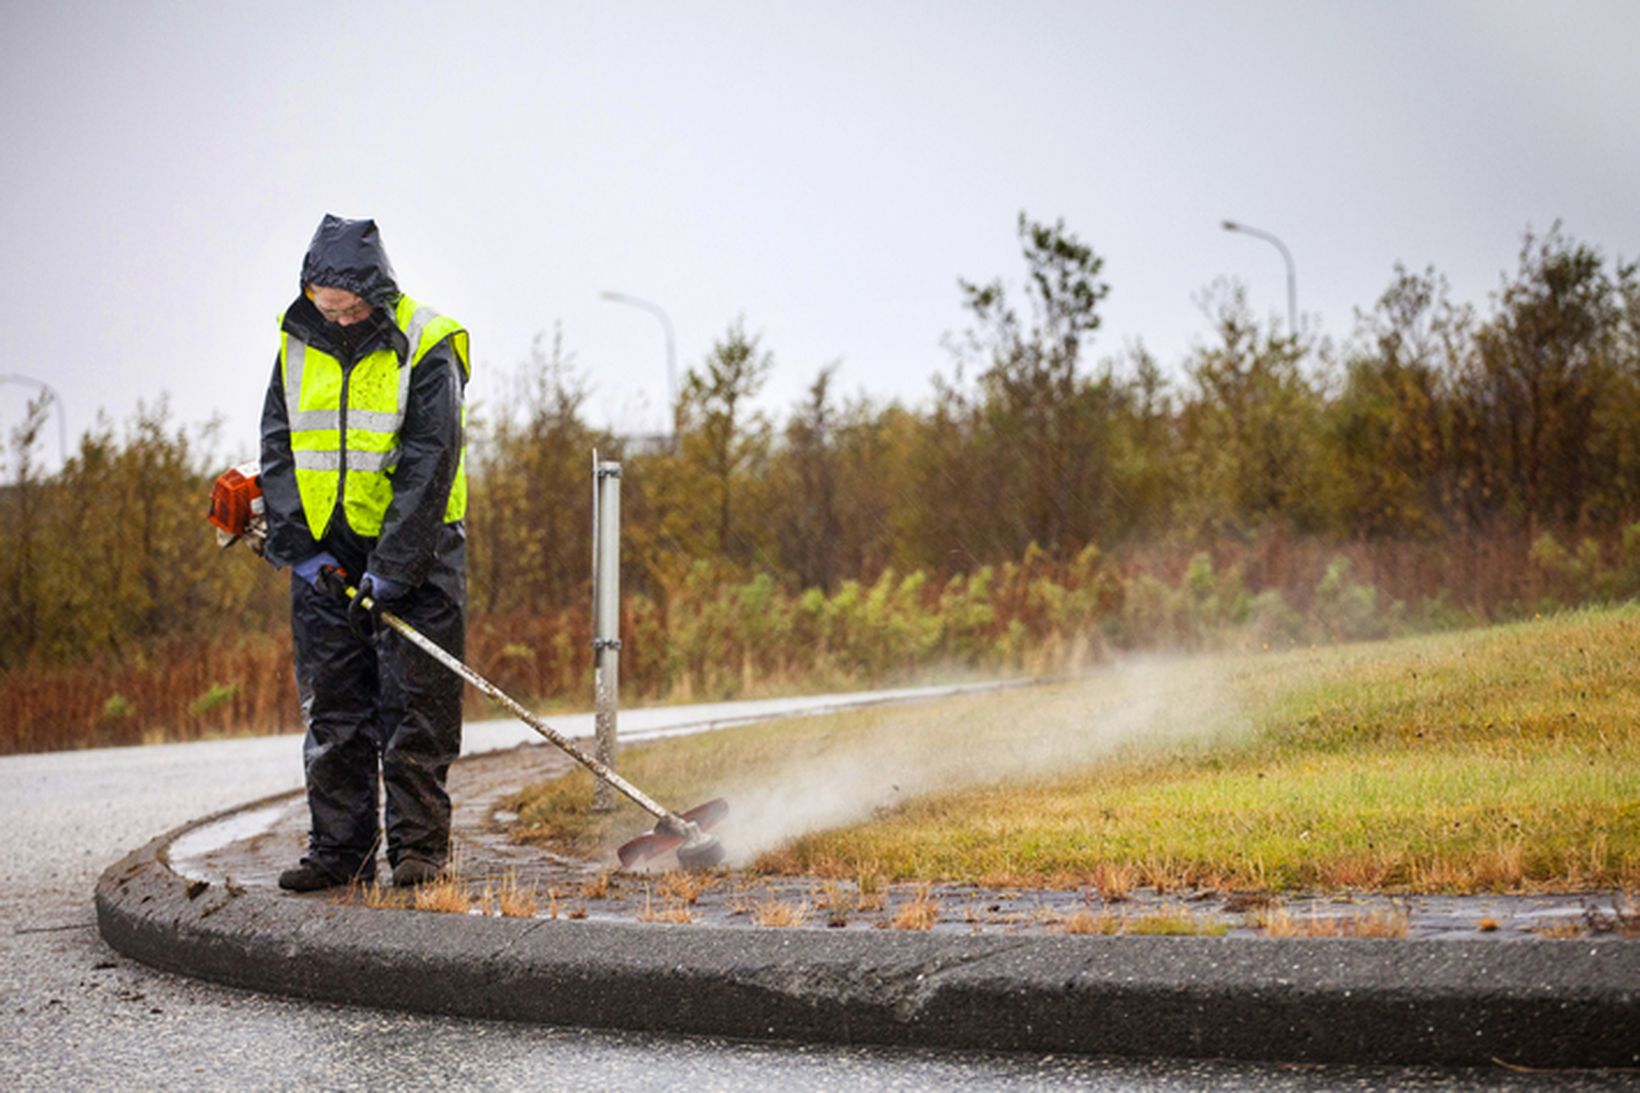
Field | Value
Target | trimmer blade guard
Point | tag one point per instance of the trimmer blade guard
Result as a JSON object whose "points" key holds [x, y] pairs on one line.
{"points": [[657, 842]]}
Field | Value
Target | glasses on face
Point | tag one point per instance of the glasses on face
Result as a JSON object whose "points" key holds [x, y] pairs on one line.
{"points": [[351, 313]]}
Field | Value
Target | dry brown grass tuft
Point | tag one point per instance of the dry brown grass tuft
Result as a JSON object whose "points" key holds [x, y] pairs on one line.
{"points": [[516, 901], [835, 897], [869, 884], [1360, 872], [376, 897], [673, 912], [780, 913], [838, 901], [1005, 878], [1249, 901], [1086, 922], [447, 895], [1273, 919], [784, 860], [1174, 923], [597, 887], [1279, 922], [1177, 922], [1384, 923], [920, 913], [1499, 869], [1164, 876], [1113, 881], [1561, 931], [682, 886]]}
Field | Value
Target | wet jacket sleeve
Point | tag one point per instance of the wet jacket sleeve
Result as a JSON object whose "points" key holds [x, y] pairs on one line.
{"points": [[430, 441], [289, 540]]}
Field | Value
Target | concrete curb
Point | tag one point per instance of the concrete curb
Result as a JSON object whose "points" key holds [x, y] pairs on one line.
{"points": [[1539, 1003]]}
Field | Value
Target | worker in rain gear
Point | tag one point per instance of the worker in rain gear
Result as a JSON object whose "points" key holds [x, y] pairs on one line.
{"points": [[363, 470]]}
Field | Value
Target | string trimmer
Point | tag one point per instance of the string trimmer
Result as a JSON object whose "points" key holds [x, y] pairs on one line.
{"points": [[236, 510]]}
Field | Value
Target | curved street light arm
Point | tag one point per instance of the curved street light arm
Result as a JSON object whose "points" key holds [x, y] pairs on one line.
{"points": [[671, 350], [1286, 256]]}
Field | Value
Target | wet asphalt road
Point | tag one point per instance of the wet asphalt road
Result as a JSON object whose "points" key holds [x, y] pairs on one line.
{"points": [[76, 1014]]}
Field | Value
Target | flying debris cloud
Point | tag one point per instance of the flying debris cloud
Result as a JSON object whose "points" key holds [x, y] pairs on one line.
{"points": [[1148, 702]]}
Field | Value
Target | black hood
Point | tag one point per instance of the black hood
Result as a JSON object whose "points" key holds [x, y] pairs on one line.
{"points": [[348, 254]]}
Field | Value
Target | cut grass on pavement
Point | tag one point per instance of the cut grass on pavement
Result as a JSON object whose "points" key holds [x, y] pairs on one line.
{"points": [[1504, 759]]}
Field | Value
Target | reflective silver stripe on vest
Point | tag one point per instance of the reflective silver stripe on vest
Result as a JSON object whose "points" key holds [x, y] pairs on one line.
{"points": [[307, 420], [372, 461], [317, 461], [356, 461], [418, 322], [375, 421], [412, 336], [295, 357]]}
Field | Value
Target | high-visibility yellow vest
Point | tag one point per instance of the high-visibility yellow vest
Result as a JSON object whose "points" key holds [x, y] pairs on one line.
{"points": [[367, 402]]}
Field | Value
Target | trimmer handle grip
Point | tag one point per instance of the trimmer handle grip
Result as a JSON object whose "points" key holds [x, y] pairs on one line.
{"points": [[333, 581]]}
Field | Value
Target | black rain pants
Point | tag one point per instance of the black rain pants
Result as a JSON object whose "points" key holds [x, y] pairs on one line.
{"points": [[378, 711]]}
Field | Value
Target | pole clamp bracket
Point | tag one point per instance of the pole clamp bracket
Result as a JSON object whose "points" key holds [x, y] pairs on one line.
{"points": [[600, 644], [609, 470]]}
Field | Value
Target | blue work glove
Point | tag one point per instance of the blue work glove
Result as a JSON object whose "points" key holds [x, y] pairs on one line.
{"points": [[379, 589], [382, 589], [308, 569]]}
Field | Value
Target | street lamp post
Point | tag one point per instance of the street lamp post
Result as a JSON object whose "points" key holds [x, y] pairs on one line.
{"points": [[62, 419], [1292, 275], [671, 350]]}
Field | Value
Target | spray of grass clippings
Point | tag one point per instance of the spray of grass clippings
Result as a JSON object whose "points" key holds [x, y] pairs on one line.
{"points": [[1153, 703]]}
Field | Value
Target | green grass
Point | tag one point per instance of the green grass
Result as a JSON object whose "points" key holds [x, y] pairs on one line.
{"points": [[1505, 759]]}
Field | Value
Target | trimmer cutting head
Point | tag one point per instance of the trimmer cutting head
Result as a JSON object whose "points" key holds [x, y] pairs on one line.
{"points": [[704, 853], [696, 849]]}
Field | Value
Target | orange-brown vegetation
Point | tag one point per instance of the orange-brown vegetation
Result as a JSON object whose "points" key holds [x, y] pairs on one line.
{"points": [[920, 912], [780, 913], [1457, 466], [1279, 922]]}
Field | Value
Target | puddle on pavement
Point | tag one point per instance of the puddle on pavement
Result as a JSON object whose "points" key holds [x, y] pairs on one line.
{"points": [[194, 855]]}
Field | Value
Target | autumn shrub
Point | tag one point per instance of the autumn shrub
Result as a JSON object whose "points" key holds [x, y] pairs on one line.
{"points": [[1590, 572], [1346, 610]]}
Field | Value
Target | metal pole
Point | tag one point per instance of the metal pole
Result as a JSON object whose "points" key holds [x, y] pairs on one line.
{"points": [[671, 348], [606, 615], [1292, 273]]}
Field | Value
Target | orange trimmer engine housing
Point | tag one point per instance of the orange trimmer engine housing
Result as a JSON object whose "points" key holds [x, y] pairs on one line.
{"points": [[237, 508]]}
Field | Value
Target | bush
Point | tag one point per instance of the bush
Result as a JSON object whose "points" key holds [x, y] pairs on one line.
{"points": [[1273, 623], [218, 696], [1344, 610], [118, 708]]}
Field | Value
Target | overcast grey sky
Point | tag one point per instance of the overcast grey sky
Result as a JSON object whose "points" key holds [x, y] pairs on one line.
{"points": [[826, 170]]}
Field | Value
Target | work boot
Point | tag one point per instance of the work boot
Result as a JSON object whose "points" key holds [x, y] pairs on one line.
{"points": [[310, 876], [413, 871]]}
